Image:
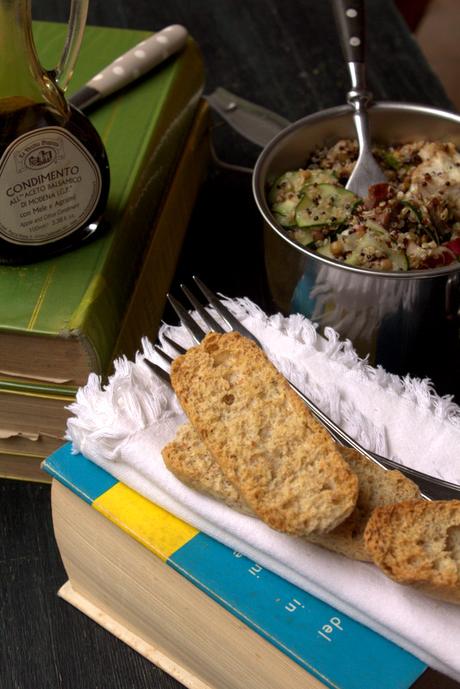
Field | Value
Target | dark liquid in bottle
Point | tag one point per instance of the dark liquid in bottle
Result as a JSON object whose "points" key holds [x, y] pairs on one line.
{"points": [[45, 199]]}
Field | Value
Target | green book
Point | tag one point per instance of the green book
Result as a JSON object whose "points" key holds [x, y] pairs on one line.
{"points": [[33, 414], [60, 319]]}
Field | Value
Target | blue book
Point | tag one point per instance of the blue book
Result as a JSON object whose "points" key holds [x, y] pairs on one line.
{"points": [[298, 637]]}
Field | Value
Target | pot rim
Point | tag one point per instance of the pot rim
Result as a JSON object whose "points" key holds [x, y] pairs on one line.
{"points": [[258, 187]]}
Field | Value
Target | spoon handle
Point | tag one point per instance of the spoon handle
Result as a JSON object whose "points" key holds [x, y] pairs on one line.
{"points": [[350, 19]]}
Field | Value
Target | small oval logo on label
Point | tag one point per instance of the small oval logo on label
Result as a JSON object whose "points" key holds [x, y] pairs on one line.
{"points": [[40, 157]]}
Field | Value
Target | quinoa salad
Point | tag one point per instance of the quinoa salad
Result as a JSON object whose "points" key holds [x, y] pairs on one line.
{"points": [[410, 222]]}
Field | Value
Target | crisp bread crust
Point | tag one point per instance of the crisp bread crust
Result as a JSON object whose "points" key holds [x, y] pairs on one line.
{"points": [[376, 487], [417, 542], [269, 446], [187, 457]]}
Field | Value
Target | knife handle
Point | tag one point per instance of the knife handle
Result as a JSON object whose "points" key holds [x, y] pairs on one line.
{"points": [[139, 60]]}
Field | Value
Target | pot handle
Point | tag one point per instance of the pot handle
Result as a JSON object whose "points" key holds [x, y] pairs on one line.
{"points": [[257, 124], [452, 298]]}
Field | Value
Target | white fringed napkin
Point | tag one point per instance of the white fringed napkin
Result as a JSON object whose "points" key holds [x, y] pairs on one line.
{"points": [[124, 426]]}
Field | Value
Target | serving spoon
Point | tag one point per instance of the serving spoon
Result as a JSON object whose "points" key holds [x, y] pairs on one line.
{"points": [[350, 20]]}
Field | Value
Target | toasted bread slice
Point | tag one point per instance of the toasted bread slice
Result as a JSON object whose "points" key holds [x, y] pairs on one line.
{"points": [[269, 446], [376, 487], [189, 460], [417, 542]]}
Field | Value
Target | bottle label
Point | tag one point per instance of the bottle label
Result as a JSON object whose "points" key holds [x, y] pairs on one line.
{"points": [[49, 186]]}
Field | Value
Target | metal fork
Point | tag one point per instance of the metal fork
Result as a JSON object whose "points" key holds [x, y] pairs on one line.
{"points": [[431, 487]]}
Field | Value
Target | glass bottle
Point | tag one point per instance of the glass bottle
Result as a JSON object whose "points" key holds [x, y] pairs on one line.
{"points": [[54, 173]]}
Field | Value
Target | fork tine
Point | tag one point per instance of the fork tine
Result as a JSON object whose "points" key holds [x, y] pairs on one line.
{"points": [[175, 345], [163, 354], [222, 310], [431, 487], [208, 319], [194, 329], [161, 373]]}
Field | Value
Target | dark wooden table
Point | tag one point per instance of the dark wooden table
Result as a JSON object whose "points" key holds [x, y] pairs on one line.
{"points": [[285, 56]]}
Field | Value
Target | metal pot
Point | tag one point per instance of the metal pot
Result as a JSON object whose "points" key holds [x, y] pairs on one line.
{"points": [[408, 322]]}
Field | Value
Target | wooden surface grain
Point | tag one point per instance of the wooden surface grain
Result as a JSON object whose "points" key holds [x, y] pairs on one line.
{"points": [[285, 56]]}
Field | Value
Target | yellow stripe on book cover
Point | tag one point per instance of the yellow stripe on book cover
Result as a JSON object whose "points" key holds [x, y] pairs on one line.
{"points": [[158, 530]]}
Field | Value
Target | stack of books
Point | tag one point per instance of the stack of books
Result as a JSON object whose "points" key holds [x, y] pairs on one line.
{"points": [[202, 612], [63, 318]]}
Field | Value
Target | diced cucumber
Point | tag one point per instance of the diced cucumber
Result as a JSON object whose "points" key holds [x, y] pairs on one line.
{"points": [[323, 204], [376, 228], [284, 211], [376, 238], [354, 258], [293, 182], [372, 240], [391, 161], [284, 196], [399, 260], [285, 192], [303, 235], [289, 182], [325, 250], [322, 177]]}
